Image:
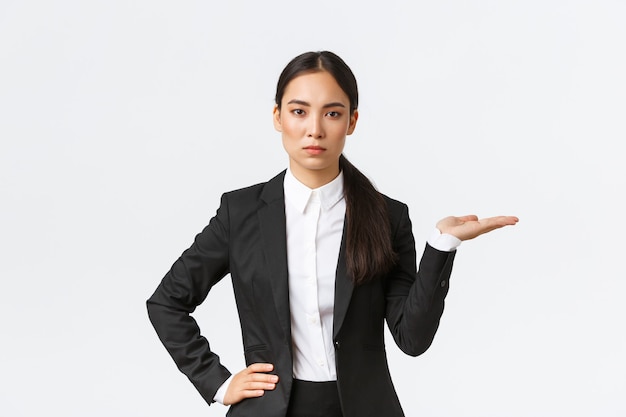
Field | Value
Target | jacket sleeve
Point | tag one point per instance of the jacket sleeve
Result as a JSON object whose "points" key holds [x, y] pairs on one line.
{"points": [[182, 289], [415, 297]]}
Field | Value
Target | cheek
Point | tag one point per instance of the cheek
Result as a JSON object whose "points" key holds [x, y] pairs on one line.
{"points": [[340, 131], [289, 138], [289, 127]]}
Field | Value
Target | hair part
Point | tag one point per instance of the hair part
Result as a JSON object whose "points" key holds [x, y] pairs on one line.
{"points": [[309, 62]]}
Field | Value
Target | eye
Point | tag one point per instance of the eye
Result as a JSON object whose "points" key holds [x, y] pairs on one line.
{"points": [[333, 114], [298, 112]]}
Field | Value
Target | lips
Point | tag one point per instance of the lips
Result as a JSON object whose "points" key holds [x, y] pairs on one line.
{"points": [[314, 150]]}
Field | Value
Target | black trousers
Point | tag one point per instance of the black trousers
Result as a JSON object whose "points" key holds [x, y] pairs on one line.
{"points": [[314, 399]]}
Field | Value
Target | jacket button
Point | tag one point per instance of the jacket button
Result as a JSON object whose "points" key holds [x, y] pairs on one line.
{"points": [[336, 344], [443, 283]]}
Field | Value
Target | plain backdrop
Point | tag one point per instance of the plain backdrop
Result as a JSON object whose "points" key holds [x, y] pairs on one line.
{"points": [[122, 122]]}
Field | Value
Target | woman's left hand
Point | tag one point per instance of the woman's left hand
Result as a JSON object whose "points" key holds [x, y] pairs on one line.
{"points": [[469, 227]]}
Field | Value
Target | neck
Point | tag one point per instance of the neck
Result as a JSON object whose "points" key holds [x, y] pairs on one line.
{"points": [[314, 178]]}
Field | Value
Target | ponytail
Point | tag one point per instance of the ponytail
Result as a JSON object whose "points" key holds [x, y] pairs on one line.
{"points": [[369, 252]]}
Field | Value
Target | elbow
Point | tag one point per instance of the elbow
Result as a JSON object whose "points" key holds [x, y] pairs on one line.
{"points": [[416, 341], [156, 312], [416, 349], [151, 310]]}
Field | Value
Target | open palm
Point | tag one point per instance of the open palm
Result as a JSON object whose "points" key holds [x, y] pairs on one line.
{"points": [[469, 227]]}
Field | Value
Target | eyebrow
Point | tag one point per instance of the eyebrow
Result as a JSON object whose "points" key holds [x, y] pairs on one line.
{"points": [[306, 103]]}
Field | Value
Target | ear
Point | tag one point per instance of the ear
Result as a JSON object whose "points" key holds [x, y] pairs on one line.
{"points": [[276, 117], [353, 119]]}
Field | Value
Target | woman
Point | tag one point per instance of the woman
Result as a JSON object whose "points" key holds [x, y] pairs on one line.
{"points": [[319, 260]]}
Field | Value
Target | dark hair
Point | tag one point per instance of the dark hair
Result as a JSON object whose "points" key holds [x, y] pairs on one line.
{"points": [[317, 62], [369, 251]]}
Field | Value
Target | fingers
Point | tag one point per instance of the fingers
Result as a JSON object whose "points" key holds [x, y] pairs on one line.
{"points": [[258, 379], [468, 218], [255, 388], [251, 382], [255, 378], [492, 223], [509, 220], [500, 221], [259, 367], [497, 220]]}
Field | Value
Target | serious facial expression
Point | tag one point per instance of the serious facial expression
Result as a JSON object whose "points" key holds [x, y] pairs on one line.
{"points": [[314, 120]]}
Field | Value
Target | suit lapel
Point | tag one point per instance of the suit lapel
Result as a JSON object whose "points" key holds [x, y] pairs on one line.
{"points": [[274, 235], [343, 287]]}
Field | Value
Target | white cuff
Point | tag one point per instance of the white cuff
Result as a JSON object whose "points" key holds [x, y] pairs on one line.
{"points": [[221, 391], [443, 241]]}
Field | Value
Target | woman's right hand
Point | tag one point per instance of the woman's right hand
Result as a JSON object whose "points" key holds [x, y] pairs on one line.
{"points": [[251, 382]]}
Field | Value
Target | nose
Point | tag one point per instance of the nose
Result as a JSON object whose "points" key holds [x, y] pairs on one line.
{"points": [[315, 127]]}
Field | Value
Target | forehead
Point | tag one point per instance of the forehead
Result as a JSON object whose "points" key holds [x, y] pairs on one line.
{"points": [[315, 87]]}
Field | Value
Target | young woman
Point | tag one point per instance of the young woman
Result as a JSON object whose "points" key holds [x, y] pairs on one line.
{"points": [[319, 259]]}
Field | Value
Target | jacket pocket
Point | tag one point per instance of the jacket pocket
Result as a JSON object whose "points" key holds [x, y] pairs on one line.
{"points": [[257, 354]]}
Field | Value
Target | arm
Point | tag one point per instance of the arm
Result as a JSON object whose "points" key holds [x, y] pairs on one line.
{"points": [[182, 289], [415, 300], [415, 297]]}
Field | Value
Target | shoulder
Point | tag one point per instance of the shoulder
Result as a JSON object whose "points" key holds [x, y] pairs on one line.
{"points": [[245, 193], [395, 207], [398, 213], [263, 191]]}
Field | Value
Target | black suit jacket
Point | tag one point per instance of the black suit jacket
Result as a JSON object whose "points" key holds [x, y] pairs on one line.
{"points": [[247, 238]]}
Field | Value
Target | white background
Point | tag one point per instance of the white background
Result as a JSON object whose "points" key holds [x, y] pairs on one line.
{"points": [[122, 122]]}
